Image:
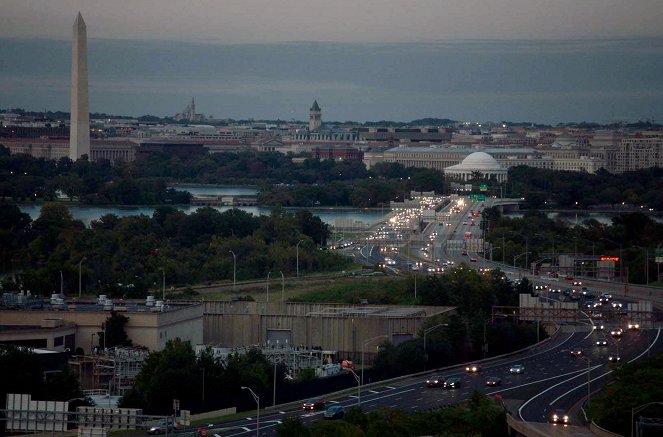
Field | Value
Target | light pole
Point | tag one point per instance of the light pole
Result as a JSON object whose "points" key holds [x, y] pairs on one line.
{"points": [[491, 252], [637, 410], [80, 263], [257, 399], [428, 331], [297, 249], [646, 263], [282, 287], [362, 356], [234, 268], [268, 273], [358, 386], [163, 285], [61, 284], [514, 261]]}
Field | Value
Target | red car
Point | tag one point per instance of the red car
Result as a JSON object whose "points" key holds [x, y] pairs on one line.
{"points": [[473, 259], [314, 404]]}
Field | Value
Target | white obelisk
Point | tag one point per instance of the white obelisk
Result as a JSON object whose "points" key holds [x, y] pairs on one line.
{"points": [[79, 130]]}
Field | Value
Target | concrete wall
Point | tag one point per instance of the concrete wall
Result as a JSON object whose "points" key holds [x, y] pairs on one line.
{"points": [[150, 329], [234, 324]]}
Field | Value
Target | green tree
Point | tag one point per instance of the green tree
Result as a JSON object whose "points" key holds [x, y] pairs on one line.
{"points": [[114, 332], [292, 427]]}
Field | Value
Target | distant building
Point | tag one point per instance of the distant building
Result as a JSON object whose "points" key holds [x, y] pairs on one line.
{"points": [[338, 153], [315, 117], [189, 113], [477, 163], [56, 148]]}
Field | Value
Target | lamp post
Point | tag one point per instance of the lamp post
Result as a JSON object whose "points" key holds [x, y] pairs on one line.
{"points": [[428, 331], [61, 284], [297, 249], [257, 399], [234, 268], [621, 260], [646, 263], [92, 342], [491, 252], [163, 285], [282, 287], [637, 410], [268, 273], [80, 288], [515, 258], [358, 386], [362, 356]]}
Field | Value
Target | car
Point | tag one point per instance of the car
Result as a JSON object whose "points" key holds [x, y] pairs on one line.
{"points": [[493, 381], [589, 294], [602, 342], [617, 305], [473, 368], [161, 428], [597, 315], [577, 352], [435, 381], [605, 297], [313, 404], [559, 416], [334, 412], [599, 327], [555, 290], [474, 259], [617, 332], [577, 283], [464, 253], [633, 326], [452, 382], [614, 358], [517, 368]]}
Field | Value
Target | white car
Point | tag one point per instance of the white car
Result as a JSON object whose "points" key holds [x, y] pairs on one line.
{"points": [[517, 368]]}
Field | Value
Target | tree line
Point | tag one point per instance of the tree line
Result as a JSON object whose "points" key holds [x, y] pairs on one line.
{"points": [[631, 236], [127, 257]]}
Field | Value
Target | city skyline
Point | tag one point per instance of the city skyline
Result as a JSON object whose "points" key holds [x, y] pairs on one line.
{"points": [[613, 77]]}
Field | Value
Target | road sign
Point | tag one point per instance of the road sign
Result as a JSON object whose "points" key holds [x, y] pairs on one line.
{"points": [[483, 187], [659, 255]]}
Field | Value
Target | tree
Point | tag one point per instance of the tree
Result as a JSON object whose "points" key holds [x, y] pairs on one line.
{"points": [[292, 427], [114, 333]]}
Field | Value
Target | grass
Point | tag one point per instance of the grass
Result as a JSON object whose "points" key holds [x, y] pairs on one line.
{"points": [[377, 290]]}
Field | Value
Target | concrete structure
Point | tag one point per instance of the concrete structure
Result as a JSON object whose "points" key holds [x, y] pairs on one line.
{"points": [[56, 148], [315, 117], [478, 163], [79, 133], [147, 326], [338, 327]]}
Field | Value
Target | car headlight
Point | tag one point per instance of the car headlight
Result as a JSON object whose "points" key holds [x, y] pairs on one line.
{"points": [[555, 416]]}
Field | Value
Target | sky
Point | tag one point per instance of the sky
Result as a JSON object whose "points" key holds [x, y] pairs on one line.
{"points": [[521, 60]]}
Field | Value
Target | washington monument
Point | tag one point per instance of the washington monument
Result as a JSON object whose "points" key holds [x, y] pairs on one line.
{"points": [[79, 131]]}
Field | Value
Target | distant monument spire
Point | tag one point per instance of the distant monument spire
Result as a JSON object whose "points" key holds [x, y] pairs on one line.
{"points": [[314, 117], [79, 130]]}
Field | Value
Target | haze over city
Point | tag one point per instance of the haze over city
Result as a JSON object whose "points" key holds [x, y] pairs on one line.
{"points": [[516, 60]]}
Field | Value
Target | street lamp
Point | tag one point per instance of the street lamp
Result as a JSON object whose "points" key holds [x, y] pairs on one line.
{"points": [[80, 263], [621, 260], [588, 373], [362, 355], [234, 268], [282, 287], [257, 399], [358, 379], [637, 410], [268, 273], [518, 256], [61, 283], [163, 285], [491, 252], [297, 249], [428, 331]]}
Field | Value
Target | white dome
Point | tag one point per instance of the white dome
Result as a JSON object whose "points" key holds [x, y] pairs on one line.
{"points": [[480, 161]]}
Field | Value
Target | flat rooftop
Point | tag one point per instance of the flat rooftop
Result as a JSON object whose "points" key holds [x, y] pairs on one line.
{"points": [[379, 311]]}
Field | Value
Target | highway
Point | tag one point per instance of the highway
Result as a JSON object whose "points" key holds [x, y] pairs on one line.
{"points": [[553, 379]]}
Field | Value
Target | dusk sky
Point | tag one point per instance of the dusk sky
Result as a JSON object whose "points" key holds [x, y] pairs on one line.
{"points": [[529, 60]]}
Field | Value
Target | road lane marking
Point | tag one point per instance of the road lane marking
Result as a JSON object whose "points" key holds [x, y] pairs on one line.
{"points": [[520, 410], [576, 388], [658, 333]]}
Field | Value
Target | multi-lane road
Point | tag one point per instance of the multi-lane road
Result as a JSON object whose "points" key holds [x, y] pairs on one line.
{"points": [[553, 378]]}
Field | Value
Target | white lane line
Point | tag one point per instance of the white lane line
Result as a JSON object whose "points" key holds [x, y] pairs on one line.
{"points": [[535, 382], [576, 388], [658, 333], [520, 410], [374, 392], [390, 387]]}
